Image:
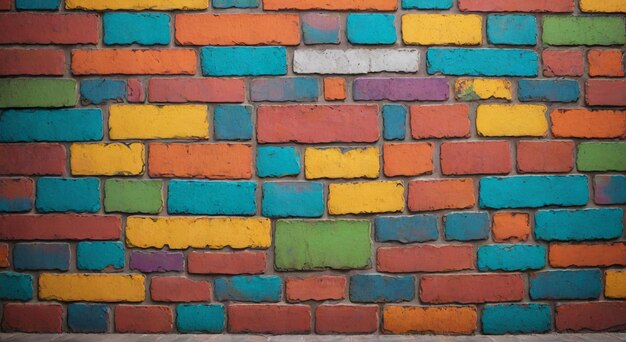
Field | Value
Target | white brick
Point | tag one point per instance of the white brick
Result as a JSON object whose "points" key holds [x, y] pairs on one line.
{"points": [[355, 61]]}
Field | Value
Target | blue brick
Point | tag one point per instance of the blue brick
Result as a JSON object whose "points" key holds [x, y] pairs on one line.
{"points": [[15, 205], [466, 226], [211, 198], [320, 28], [512, 29], [87, 318], [579, 225], [532, 191], [51, 125], [406, 229], [570, 284], [548, 90], [16, 286], [41, 256], [244, 61], [200, 318], [510, 257], [394, 122], [96, 256], [248, 288], [427, 4], [140, 28], [100, 90], [81, 195], [233, 122], [34, 5], [375, 288], [235, 3], [371, 28], [293, 199], [482, 62], [502, 319], [272, 161], [609, 189], [288, 89]]}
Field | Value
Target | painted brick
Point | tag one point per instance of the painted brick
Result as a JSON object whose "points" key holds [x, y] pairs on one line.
{"points": [[233, 122], [591, 255], [424, 258], [430, 195], [432, 320], [334, 89], [275, 161], [182, 90], [346, 319], [615, 284], [477, 288], [510, 226], [495, 120], [41, 256], [133, 196], [579, 225], [371, 29], [100, 255], [310, 245], [149, 262], [503, 319], [584, 123], [512, 29], [482, 62], [442, 29], [408, 159], [4, 255], [517, 6], [115, 159], [5, 5], [37, 5], [235, 3], [562, 63], [571, 284], [40, 28], [179, 289], [605, 63], [394, 122], [532, 191], [426, 4], [136, 91], [294, 199], [601, 156], [548, 90], [609, 189], [545, 156], [100, 90], [320, 28], [248, 289], [470, 158], [339, 5], [472, 89], [400, 89], [16, 194], [143, 319], [440, 121], [51, 125], [365, 197], [243, 61], [134, 62], [32, 62], [81, 195], [592, 316], [466, 226], [16, 286], [605, 92], [91, 287], [136, 28], [32, 318], [406, 229], [166, 122], [289, 89], [226, 262], [375, 288], [211, 198], [88, 318], [341, 162], [269, 319], [511, 257], [355, 61], [136, 5], [583, 30], [200, 318], [60, 227], [316, 288], [604, 6], [50, 92]]}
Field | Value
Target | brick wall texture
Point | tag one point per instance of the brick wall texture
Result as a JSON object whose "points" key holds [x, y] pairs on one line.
{"points": [[312, 166]]}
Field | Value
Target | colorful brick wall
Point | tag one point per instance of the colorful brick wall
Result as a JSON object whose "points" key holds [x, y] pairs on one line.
{"points": [[312, 166]]}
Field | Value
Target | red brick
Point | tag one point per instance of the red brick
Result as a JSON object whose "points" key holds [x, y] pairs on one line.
{"points": [[32, 159], [134, 62], [143, 319], [594, 316], [315, 288], [427, 195], [473, 158], [4, 255], [5, 5], [32, 318], [136, 91], [605, 63], [179, 289], [440, 121], [592, 255], [346, 319], [408, 159], [226, 262], [605, 92], [472, 288], [585, 123], [269, 319], [561, 6], [32, 62], [317, 123], [60, 227], [16, 188], [425, 258], [36, 28], [545, 156], [182, 90], [562, 63]]}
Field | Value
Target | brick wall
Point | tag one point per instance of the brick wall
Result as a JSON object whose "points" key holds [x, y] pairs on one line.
{"points": [[312, 166]]}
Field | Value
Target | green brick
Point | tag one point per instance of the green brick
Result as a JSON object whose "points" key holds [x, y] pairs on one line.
{"points": [[607, 156], [133, 196], [37, 92], [567, 30], [310, 245]]}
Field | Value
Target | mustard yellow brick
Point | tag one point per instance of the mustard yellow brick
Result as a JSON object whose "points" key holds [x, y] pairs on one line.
{"points": [[158, 122], [115, 159], [92, 287], [341, 163], [469, 89], [198, 232], [136, 5], [442, 29], [603, 6], [365, 197], [615, 284], [511, 120]]}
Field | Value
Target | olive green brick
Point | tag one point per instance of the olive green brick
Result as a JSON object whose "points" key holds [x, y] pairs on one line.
{"points": [[310, 245], [606, 156], [133, 196], [37, 92], [568, 30]]}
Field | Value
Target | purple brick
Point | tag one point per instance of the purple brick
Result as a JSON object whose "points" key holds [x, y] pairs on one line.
{"points": [[401, 89], [157, 261]]}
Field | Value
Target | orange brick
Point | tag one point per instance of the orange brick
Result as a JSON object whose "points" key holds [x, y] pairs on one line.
{"points": [[510, 227], [471, 158], [432, 320], [545, 156], [134, 62], [440, 121], [584, 123], [605, 63], [334, 89], [427, 195], [408, 159], [238, 29], [562, 63], [334, 5], [604, 255], [4, 255]]}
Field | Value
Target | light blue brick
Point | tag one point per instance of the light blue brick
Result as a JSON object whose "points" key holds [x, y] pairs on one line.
{"points": [[16, 286], [394, 122], [511, 257], [81, 195], [512, 29], [88, 318], [211, 197], [233, 122], [548, 90], [35, 5], [50, 125], [293, 199], [609, 189], [244, 61], [272, 161], [320, 28], [235, 3], [482, 62], [406, 229], [140, 28], [98, 255], [427, 4], [200, 318], [466, 226], [41, 256], [100, 90], [288, 89], [371, 28], [375, 288], [248, 288], [570, 284], [503, 319], [579, 225]]}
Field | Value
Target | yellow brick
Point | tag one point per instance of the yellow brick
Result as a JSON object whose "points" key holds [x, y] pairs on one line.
{"points": [[92, 287], [615, 284], [136, 5], [198, 232], [511, 120], [365, 197], [158, 122], [341, 163], [468, 89], [604, 6], [115, 159], [442, 29]]}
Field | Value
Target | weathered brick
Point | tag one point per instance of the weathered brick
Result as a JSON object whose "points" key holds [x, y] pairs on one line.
{"points": [[270, 319], [18, 92], [482, 62], [201, 197], [226, 262], [430, 195], [469, 158], [600, 92], [4, 255], [548, 90], [275, 161], [562, 63], [293, 199], [88, 318], [583, 30], [510, 226], [134, 62], [133, 196], [570, 284], [140, 28], [32, 318], [32, 62], [442, 29], [365, 197], [355, 61], [592, 255], [334, 89], [16, 194], [394, 122], [100, 255], [166, 122], [316, 288], [517, 6], [376, 288], [51, 125], [346, 319], [607, 156], [60, 227], [235, 3], [182, 90], [243, 61], [200, 318], [248, 288], [92, 287], [473, 89], [179, 289], [160, 261], [615, 284], [39, 28], [466, 226], [512, 29], [320, 28], [371, 28], [609, 189], [143, 319], [41, 256], [107, 159], [341, 162], [406, 229], [408, 159], [591, 316], [605, 63], [503, 319], [288, 89], [511, 120], [472, 288], [424, 258], [339, 5], [545, 156], [101, 90], [16, 286], [80, 195], [433, 320], [32, 159], [136, 5], [602, 6], [440, 121], [511, 257], [579, 225], [400, 89], [233, 122], [427, 4]]}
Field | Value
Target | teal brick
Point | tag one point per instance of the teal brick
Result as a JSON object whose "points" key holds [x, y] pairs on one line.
{"points": [[548, 90], [375, 288], [466, 226], [293, 199], [211, 197], [394, 122], [320, 28], [274, 161], [16, 286], [100, 90], [482, 62], [233, 122], [406, 229], [248, 288], [579, 225], [98, 255], [566, 284], [81, 195], [512, 29], [371, 29], [88, 318], [609, 189], [41, 256], [427, 4], [500, 319], [136, 28], [235, 3], [51, 125], [244, 61], [511, 257], [37, 5], [200, 318]]}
